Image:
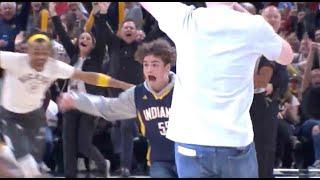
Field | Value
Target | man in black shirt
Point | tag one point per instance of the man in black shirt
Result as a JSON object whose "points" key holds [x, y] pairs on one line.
{"points": [[265, 106]]}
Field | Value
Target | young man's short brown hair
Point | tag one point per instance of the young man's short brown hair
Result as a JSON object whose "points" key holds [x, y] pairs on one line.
{"points": [[159, 48]]}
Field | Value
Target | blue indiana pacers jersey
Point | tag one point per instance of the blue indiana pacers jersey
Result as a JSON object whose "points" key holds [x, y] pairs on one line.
{"points": [[153, 115]]}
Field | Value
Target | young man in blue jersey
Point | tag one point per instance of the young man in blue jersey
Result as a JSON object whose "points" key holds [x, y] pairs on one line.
{"points": [[149, 101]]}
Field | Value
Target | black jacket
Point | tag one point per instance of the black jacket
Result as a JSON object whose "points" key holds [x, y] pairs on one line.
{"points": [[94, 61], [122, 65]]}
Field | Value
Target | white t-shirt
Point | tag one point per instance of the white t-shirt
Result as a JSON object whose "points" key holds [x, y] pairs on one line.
{"points": [[24, 88], [294, 101], [59, 52], [77, 85], [217, 49], [51, 114]]}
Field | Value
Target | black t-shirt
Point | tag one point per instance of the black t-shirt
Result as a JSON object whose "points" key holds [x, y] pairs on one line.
{"points": [[310, 104], [279, 79]]}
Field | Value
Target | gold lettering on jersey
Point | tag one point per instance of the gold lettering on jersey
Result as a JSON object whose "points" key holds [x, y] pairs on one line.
{"points": [[156, 112]]}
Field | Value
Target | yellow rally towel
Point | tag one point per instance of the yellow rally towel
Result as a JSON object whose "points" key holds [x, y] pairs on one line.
{"points": [[44, 15], [89, 23], [121, 10], [292, 70]]}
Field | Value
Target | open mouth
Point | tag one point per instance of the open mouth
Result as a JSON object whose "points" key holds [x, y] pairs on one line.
{"points": [[83, 45], [129, 35], [152, 78], [40, 62]]}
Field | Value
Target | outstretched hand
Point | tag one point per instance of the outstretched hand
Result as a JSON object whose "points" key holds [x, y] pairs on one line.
{"points": [[95, 8], [104, 6], [65, 102], [315, 46], [52, 8]]}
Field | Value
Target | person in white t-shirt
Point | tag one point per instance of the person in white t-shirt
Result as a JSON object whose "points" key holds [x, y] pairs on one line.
{"points": [[217, 48], [27, 77]]}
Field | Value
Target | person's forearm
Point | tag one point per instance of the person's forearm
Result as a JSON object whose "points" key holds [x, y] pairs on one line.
{"points": [[83, 103], [23, 16], [286, 56], [150, 6], [107, 81], [163, 7], [120, 84], [307, 77], [110, 109], [108, 35], [63, 35], [99, 79]]}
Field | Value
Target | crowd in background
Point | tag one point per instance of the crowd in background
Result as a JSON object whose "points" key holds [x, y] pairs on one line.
{"points": [[117, 34]]}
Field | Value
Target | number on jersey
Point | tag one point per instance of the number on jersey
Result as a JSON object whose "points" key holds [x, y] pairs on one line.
{"points": [[163, 126]]}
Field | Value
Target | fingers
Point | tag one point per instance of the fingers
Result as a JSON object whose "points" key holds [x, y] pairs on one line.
{"points": [[52, 8], [65, 102], [104, 6], [140, 35], [315, 45], [95, 9]]}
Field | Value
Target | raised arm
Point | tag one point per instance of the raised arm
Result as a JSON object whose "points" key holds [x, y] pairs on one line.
{"points": [[100, 26], [108, 35], [63, 35], [266, 41], [65, 71], [286, 55], [23, 16], [171, 16], [306, 81], [110, 109], [162, 9]]}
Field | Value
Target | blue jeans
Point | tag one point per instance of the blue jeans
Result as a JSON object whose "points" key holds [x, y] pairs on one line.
{"points": [[49, 144], [195, 161], [306, 131], [163, 170]]}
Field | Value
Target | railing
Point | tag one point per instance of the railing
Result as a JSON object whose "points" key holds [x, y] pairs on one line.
{"points": [[296, 173]]}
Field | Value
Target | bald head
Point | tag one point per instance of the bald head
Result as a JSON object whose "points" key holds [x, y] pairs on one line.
{"points": [[273, 16], [13, 4], [270, 9], [8, 10], [249, 7]]}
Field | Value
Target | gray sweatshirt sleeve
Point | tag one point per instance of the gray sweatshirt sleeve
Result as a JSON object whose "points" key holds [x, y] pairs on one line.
{"points": [[111, 109]]}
